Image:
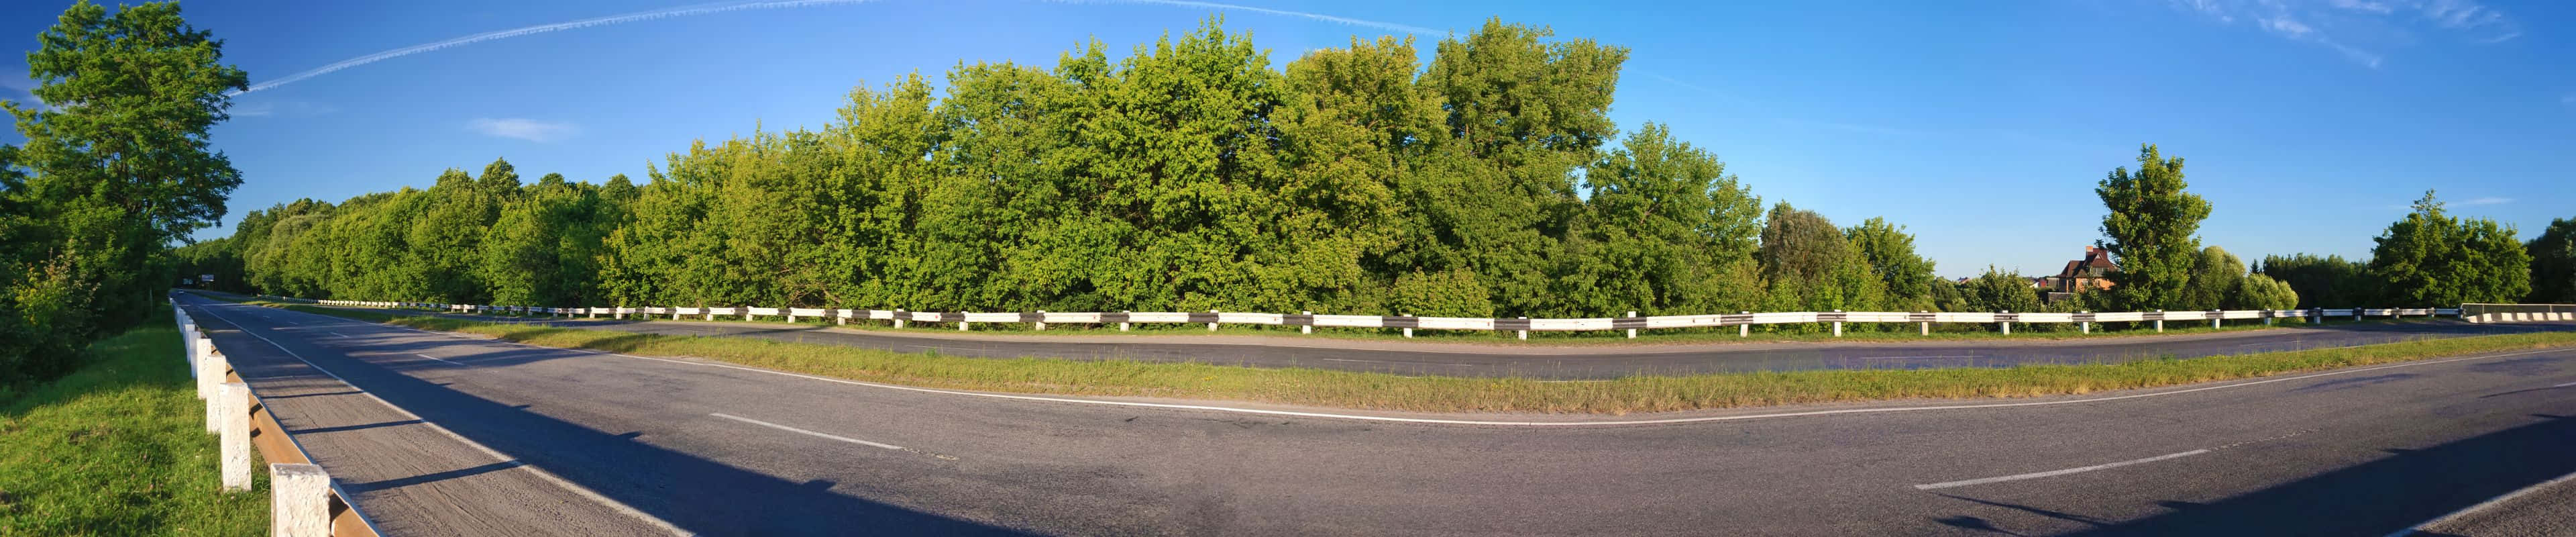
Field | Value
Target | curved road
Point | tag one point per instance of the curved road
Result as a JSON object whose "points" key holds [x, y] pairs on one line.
{"points": [[447, 435], [1557, 362]]}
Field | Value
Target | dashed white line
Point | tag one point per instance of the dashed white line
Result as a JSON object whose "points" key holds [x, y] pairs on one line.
{"points": [[2564, 385], [2054, 473], [436, 358], [804, 432]]}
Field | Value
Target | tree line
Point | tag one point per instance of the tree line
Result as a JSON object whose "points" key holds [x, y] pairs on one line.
{"points": [[1191, 175]]}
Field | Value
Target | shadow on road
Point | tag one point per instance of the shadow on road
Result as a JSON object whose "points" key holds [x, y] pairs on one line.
{"points": [[696, 494], [2373, 498]]}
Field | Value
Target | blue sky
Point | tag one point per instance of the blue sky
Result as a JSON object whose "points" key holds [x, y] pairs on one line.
{"points": [[1980, 126]]}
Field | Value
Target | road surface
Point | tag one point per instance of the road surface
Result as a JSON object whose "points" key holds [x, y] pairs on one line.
{"points": [[1559, 362], [577, 442]]}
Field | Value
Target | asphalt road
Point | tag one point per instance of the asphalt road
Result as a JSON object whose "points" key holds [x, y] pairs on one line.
{"points": [[1562, 362], [724, 450]]}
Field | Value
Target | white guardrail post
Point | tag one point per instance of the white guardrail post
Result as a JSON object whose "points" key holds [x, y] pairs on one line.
{"points": [[210, 363], [232, 401], [1838, 326], [2160, 320], [299, 501], [2086, 326], [2006, 324]]}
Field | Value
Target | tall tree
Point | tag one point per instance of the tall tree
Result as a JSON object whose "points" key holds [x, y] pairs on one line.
{"points": [[2151, 231], [1890, 252], [2215, 277], [1808, 265], [1522, 115], [2322, 282], [117, 164], [2430, 258], [1668, 231], [2553, 263]]}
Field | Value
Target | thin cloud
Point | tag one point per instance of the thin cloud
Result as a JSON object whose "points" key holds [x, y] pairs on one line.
{"points": [[524, 129], [1406, 28], [2359, 30], [538, 29], [2490, 200], [281, 108]]}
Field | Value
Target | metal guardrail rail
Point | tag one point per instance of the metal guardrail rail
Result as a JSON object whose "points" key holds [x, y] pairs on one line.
{"points": [[1307, 320], [305, 501]]}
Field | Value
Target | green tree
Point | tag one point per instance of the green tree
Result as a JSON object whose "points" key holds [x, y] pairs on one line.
{"points": [[2259, 292], [1669, 231], [1496, 193], [2215, 278], [116, 166], [2000, 291], [2322, 281], [2553, 263], [2430, 258], [1890, 252], [2151, 231], [1808, 265]]}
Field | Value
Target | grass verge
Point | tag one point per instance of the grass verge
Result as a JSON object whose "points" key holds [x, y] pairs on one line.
{"points": [[119, 448], [1344, 389]]}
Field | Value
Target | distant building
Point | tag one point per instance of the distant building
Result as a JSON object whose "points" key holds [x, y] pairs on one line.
{"points": [[2092, 273]]}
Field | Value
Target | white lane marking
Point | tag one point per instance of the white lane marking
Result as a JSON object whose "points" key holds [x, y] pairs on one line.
{"points": [[2564, 385], [342, 336], [2054, 473], [1350, 360], [1908, 357], [2481, 506], [1364, 417], [804, 432], [577, 489], [436, 358]]}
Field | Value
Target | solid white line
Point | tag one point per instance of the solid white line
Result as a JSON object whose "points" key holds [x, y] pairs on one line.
{"points": [[2054, 473], [1908, 357], [1363, 417], [436, 358], [2564, 385], [803, 432], [342, 336], [2481, 506], [577, 489]]}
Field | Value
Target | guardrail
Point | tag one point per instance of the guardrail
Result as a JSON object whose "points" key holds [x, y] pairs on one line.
{"points": [[1306, 321], [304, 502], [2511, 313]]}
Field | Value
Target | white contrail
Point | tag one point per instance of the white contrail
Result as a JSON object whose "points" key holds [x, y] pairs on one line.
{"points": [[702, 9], [1406, 28]]}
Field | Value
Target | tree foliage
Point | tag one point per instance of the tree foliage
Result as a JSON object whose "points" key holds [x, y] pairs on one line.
{"points": [[2430, 257], [2151, 232], [115, 167], [2322, 281], [2553, 263]]}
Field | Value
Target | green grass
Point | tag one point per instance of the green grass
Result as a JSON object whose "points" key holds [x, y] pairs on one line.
{"points": [[119, 448], [1344, 389]]}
